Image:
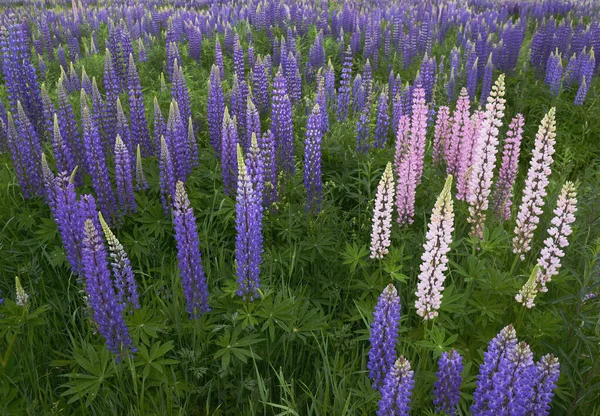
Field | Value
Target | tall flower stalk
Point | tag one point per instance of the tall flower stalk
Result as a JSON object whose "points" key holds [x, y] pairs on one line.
{"points": [[446, 388], [397, 390], [435, 260], [382, 215]]}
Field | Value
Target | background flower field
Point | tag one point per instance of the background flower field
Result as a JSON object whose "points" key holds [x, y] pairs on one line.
{"points": [[280, 312]]}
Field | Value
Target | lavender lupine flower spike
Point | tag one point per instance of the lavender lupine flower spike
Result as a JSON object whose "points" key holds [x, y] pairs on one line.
{"points": [[121, 267], [501, 346], [108, 312], [484, 159], [382, 215], [446, 388], [513, 383], [215, 108], [312, 160], [435, 260], [167, 176], [549, 261], [502, 198], [384, 335], [139, 127], [547, 371], [124, 178], [248, 243], [229, 153], [397, 390], [535, 185], [344, 90], [188, 254]]}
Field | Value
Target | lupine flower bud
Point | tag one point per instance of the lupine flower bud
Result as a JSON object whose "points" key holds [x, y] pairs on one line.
{"points": [[188, 254], [384, 335], [382, 215], [435, 260], [484, 159], [397, 390], [446, 388], [502, 199], [535, 185], [22, 297]]}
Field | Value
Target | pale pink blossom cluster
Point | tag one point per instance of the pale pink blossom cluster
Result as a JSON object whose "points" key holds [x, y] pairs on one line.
{"points": [[535, 185], [404, 162], [461, 133], [382, 215], [549, 261], [484, 158], [503, 192], [442, 133], [435, 260], [465, 165], [418, 131]]}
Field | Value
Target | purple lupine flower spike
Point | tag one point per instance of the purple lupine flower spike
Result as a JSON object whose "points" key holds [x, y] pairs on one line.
{"points": [[192, 146], [108, 312], [139, 127], [215, 109], [62, 152], [384, 335], [397, 390], [344, 90], [252, 120], [140, 179], [160, 128], [446, 389], [267, 150], [312, 161], [383, 120], [124, 178], [281, 124], [255, 164], [500, 347], [167, 176], [188, 254], [125, 284], [547, 371], [229, 153], [248, 243], [502, 198]]}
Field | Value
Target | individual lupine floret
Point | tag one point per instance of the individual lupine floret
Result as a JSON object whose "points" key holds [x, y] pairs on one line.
{"points": [[312, 161], [397, 390], [500, 347], [167, 176], [229, 144], [435, 259], [124, 279], [535, 185], [549, 260], [503, 192], [383, 120], [215, 109], [404, 164], [108, 312], [513, 383], [384, 335], [443, 130], [446, 389], [139, 128], [248, 243], [140, 179], [188, 255], [382, 215], [96, 163], [547, 371], [124, 178], [484, 159]]}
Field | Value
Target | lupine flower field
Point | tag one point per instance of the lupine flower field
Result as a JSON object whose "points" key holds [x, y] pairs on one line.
{"points": [[309, 208]]}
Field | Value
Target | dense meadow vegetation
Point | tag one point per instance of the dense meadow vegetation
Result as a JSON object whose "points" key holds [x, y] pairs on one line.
{"points": [[299, 207]]}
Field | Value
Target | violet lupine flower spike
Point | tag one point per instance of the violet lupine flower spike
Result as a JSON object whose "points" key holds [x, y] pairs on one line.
{"points": [[140, 179], [121, 267], [124, 178], [535, 185], [501, 346], [139, 127], [503, 192], [312, 161], [229, 153], [382, 215], [484, 159], [435, 260], [446, 389], [108, 312], [442, 134], [549, 261], [513, 383], [547, 371], [248, 243], [188, 255], [384, 335], [167, 176], [215, 108], [397, 390]]}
